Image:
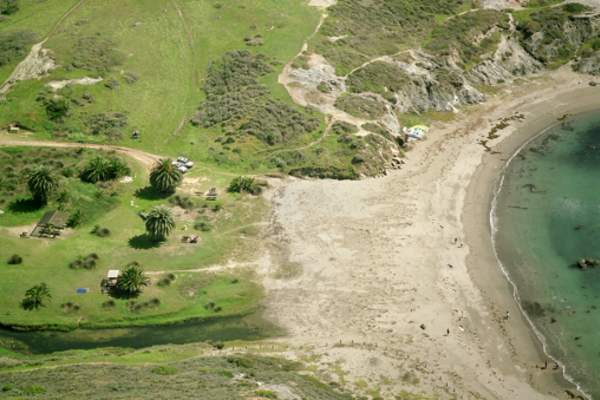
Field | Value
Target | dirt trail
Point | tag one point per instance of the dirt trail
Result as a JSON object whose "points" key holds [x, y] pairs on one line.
{"points": [[144, 158], [194, 78], [38, 62]]}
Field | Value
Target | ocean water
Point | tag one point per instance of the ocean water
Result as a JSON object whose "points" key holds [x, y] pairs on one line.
{"points": [[548, 217]]}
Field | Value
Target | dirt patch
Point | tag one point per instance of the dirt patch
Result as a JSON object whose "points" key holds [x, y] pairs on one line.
{"points": [[86, 81], [37, 64]]}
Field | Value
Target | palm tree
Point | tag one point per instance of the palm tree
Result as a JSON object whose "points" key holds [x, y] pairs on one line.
{"points": [[41, 184], [159, 223], [96, 170], [35, 297], [165, 176], [132, 280]]}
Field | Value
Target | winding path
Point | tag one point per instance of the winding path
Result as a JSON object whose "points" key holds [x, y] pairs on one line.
{"points": [[144, 158]]}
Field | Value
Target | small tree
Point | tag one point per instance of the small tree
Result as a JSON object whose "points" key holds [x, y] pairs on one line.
{"points": [[41, 184], [35, 297], [159, 223], [132, 280], [165, 176]]}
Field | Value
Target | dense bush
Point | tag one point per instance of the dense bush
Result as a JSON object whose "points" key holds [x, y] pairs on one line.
{"points": [[236, 100], [8, 7], [14, 46], [15, 259], [245, 184], [57, 108]]}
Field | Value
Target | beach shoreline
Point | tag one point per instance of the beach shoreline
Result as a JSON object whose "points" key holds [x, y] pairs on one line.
{"points": [[395, 285], [482, 190]]}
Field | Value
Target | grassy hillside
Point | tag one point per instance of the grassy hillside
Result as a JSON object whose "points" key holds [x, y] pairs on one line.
{"points": [[165, 372]]}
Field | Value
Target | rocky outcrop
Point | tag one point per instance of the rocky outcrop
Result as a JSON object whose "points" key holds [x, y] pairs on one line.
{"points": [[589, 64]]}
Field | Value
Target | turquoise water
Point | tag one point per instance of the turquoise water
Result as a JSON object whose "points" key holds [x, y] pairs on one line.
{"points": [[548, 217]]}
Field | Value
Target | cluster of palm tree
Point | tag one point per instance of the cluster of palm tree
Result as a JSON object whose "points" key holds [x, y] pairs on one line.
{"points": [[35, 297], [41, 184], [165, 177], [100, 169]]}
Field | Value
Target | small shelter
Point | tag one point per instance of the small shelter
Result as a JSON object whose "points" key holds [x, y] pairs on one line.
{"points": [[112, 276], [50, 224]]}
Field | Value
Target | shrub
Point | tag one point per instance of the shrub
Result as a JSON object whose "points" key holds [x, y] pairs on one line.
{"points": [[57, 109], [202, 224], [88, 262], [100, 232], [8, 7], [75, 219], [15, 259], [244, 184]]}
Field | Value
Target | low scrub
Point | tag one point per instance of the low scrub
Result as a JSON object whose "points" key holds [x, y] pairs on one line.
{"points": [[237, 101], [14, 46], [87, 262]]}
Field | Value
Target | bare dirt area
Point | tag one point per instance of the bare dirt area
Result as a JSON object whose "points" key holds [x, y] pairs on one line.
{"points": [[389, 295], [37, 64]]}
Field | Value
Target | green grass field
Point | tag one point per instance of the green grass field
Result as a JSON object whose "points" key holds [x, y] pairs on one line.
{"points": [[229, 233], [153, 59]]}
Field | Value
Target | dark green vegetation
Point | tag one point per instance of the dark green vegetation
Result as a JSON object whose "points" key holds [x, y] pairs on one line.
{"points": [[102, 169], [8, 7], [36, 296], [242, 106], [134, 375]]}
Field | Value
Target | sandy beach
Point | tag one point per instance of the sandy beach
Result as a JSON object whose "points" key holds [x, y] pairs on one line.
{"points": [[390, 285]]}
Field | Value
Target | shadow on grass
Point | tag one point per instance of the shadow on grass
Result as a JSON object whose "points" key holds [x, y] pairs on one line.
{"points": [[149, 193], [24, 206], [115, 293], [143, 242]]}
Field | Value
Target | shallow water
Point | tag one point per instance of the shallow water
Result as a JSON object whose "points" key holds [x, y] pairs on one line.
{"points": [[548, 217], [252, 327]]}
